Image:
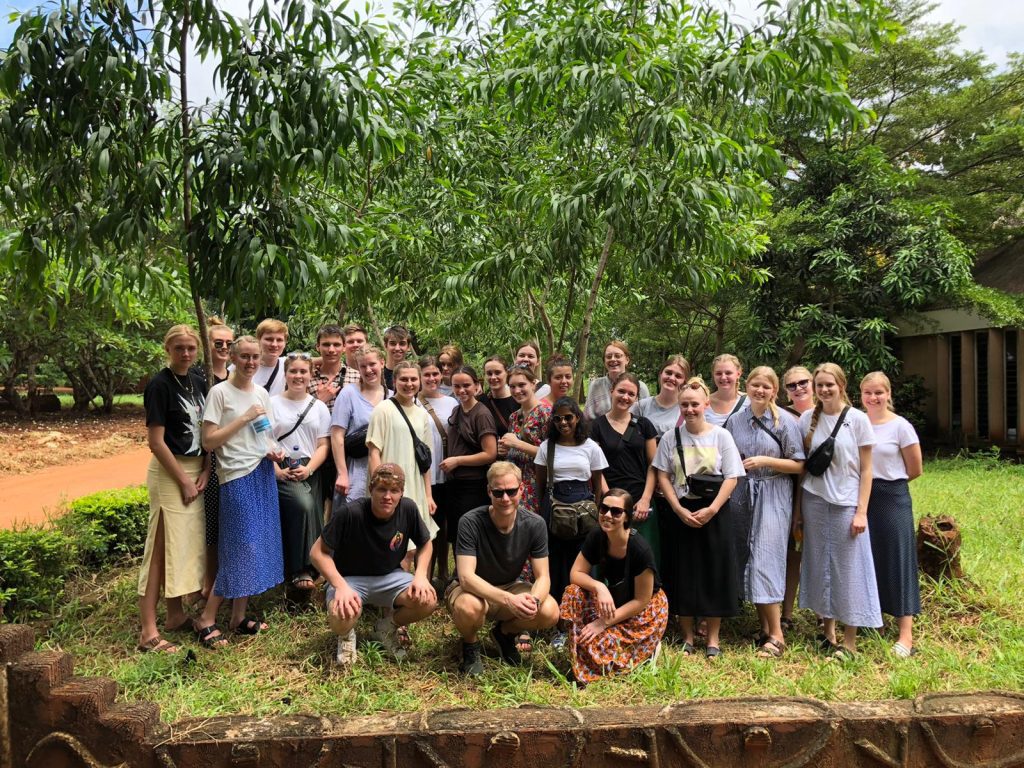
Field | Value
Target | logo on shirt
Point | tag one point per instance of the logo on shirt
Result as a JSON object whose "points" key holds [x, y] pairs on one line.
{"points": [[396, 541]]}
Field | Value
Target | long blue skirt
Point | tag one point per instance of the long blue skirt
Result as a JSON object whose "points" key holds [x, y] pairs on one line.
{"points": [[249, 551]]}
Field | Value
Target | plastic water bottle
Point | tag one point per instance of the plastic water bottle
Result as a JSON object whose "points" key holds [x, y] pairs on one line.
{"points": [[261, 426], [294, 458]]}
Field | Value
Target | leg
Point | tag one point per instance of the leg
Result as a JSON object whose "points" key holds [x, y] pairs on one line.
{"points": [[849, 636], [793, 556], [714, 624], [546, 616], [211, 572], [686, 628], [468, 614], [208, 619], [408, 612], [239, 622], [154, 582], [829, 628], [906, 627], [339, 625]]}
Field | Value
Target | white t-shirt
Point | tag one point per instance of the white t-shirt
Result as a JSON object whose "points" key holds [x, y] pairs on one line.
{"points": [[712, 453], [263, 375], [840, 485], [245, 449], [887, 456], [443, 407], [711, 416], [316, 424], [573, 462]]}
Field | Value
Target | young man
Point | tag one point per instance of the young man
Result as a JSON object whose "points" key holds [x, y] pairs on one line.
{"points": [[360, 554], [397, 342], [328, 375], [492, 545], [354, 337], [273, 337]]}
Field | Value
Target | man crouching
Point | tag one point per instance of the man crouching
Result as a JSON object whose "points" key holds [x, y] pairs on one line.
{"points": [[492, 545], [360, 555]]}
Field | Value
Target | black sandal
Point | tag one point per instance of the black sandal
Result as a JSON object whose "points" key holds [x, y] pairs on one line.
{"points": [[248, 626], [209, 640]]}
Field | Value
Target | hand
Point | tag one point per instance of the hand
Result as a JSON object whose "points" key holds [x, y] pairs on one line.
{"points": [[341, 483], [346, 603], [327, 392], [189, 492], [592, 630], [859, 524], [276, 455], [702, 516], [255, 411], [522, 606], [687, 517], [605, 603], [431, 506], [449, 464], [421, 592], [299, 474], [203, 481], [755, 462], [641, 510], [281, 475]]}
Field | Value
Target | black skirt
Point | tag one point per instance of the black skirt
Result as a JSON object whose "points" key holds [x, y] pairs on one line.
{"points": [[894, 547]]}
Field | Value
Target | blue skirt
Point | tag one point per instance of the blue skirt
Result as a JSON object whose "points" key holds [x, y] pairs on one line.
{"points": [[249, 551]]}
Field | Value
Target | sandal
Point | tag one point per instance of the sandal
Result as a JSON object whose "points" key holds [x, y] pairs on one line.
{"points": [[825, 645], [209, 640], [759, 639], [842, 654], [402, 637], [249, 626], [157, 644], [771, 649], [900, 650], [787, 625], [303, 582], [687, 649], [712, 651], [524, 643]]}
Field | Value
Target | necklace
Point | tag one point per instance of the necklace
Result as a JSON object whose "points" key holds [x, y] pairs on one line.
{"points": [[188, 380]]}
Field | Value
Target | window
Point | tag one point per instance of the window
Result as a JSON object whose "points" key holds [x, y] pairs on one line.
{"points": [[956, 385], [1012, 404], [981, 381]]}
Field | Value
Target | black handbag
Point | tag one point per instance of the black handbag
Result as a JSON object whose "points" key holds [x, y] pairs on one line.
{"points": [[420, 449], [355, 443], [703, 486], [821, 457]]}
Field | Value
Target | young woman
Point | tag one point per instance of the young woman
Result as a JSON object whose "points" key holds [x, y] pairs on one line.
{"points": [[838, 575], [527, 429], [302, 426], [449, 359], [628, 443], [726, 400], [220, 337], [559, 380], [173, 559], [528, 354], [237, 422], [351, 416], [389, 439], [662, 410], [698, 553], [771, 447], [578, 474], [439, 409], [617, 619], [498, 398], [895, 461], [472, 448], [599, 393], [800, 392]]}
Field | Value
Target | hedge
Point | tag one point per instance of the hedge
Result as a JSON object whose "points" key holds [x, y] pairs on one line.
{"points": [[96, 531]]}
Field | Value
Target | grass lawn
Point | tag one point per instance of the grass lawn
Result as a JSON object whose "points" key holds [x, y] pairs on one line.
{"points": [[969, 638], [68, 400]]}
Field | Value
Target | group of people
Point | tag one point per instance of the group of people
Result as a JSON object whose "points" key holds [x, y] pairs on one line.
{"points": [[594, 521]]}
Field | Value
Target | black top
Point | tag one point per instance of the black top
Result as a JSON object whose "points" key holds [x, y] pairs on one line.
{"points": [[500, 556], [627, 461], [176, 403], [365, 545], [389, 378], [613, 571], [465, 431], [501, 409]]}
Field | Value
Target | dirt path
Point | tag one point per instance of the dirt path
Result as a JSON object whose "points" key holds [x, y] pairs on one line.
{"points": [[34, 497]]}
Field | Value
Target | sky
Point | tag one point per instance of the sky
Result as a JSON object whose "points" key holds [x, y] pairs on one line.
{"points": [[995, 27]]}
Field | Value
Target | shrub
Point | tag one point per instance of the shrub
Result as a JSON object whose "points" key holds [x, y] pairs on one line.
{"points": [[34, 564], [109, 525]]}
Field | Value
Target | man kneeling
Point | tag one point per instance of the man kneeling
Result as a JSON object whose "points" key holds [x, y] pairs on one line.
{"points": [[492, 545], [360, 554]]}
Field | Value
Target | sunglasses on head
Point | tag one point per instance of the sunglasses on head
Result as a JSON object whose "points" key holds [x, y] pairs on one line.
{"points": [[613, 511], [499, 493], [793, 386], [298, 356]]}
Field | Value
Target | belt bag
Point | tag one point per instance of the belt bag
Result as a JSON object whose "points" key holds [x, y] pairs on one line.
{"points": [[570, 520], [704, 487], [355, 443], [821, 457]]}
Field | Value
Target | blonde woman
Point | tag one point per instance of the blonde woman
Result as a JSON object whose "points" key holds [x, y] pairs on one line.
{"points": [[173, 559], [726, 400], [772, 450], [895, 462], [838, 575]]}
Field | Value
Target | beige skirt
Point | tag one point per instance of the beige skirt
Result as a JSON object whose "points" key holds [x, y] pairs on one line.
{"points": [[184, 529]]}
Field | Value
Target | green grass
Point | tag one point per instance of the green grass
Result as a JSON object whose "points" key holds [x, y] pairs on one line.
{"points": [[970, 637], [68, 400]]}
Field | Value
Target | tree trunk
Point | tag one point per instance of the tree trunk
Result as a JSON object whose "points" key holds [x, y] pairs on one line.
{"points": [[549, 331], [570, 304], [588, 314]]}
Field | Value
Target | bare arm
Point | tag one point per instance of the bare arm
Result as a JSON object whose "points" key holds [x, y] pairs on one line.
{"points": [[913, 460], [190, 488], [860, 517], [487, 455]]}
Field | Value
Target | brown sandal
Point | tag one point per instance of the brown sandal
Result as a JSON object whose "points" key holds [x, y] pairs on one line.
{"points": [[157, 644], [771, 649]]}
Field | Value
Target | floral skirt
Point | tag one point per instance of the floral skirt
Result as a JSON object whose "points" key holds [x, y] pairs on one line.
{"points": [[620, 647]]}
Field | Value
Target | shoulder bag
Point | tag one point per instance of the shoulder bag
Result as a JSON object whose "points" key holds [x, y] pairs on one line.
{"points": [[420, 449], [567, 520], [821, 457], [441, 429], [703, 486]]}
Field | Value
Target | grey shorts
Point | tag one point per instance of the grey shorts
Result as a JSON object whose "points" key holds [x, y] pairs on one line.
{"points": [[381, 591]]}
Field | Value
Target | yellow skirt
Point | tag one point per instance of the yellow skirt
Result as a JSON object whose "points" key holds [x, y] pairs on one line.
{"points": [[184, 529]]}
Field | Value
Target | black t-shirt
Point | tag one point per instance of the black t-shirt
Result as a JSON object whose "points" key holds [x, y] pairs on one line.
{"points": [[500, 556], [501, 409], [613, 571], [465, 431], [627, 461], [176, 403], [365, 545]]}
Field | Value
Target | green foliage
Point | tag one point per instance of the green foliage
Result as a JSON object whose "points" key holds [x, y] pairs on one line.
{"points": [[109, 525], [35, 563]]}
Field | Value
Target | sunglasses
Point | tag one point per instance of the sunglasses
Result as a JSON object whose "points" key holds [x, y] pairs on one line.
{"points": [[222, 344], [298, 356], [793, 386], [564, 419], [615, 512], [500, 493]]}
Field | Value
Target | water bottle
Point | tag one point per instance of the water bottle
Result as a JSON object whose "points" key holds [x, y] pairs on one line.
{"points": [[294, 458], [261, 426]]}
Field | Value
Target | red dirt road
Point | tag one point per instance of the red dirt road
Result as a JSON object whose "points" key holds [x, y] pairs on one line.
{"points": [[37, 496]]}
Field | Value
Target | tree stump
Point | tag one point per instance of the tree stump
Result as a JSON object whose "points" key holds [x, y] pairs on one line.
{"points": [[938, 547]]}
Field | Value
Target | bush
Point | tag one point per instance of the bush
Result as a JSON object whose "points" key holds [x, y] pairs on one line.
{"points": [[34, 564], [109, 525]]}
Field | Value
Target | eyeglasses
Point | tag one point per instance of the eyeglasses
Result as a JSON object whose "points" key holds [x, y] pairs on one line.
{"points": [[564, 419], [793, 386], [298, 356], [222, 344], [615, 512], [500, 493]]}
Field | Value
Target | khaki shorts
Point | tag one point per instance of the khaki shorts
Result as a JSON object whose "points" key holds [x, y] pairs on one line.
{"points": [[455, 589]]}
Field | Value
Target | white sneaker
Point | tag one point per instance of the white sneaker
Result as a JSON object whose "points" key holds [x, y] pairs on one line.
{"points": [[385, 633], [345, 655]]}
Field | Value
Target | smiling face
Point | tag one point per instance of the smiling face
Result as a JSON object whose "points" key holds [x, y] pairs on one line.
{"points": [[464, 389], [565, 422], [761, 390], [431, 376], [527, 356], [444, 360], [272, 346], [220, 344], [504, 491], [615, 360], [369, 369], [875, 396], [407, 384], [560, 381], [522, 387], [672, 377], [826, 388], [355, 341], [726, 375], [330, 349], [692, 403], [612, 513], [296, 374], [181, 351], [495, 374], [246, 357], [624, 395], [396, 349], [798, 390]]}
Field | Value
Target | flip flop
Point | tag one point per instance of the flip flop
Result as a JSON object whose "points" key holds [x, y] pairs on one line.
{"points": [[157, 644]]}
